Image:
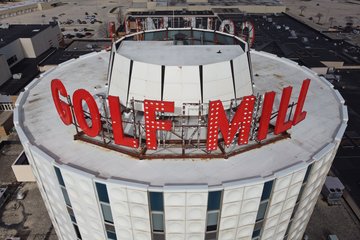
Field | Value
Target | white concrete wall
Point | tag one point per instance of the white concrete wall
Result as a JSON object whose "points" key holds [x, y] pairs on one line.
{"points": [[312, 190], [185, 209], [5, 73], [12, 49], [52, 195], [280, 208], [50, 37], [239, 209], [84, 202], [185, 206], [28, 48]]}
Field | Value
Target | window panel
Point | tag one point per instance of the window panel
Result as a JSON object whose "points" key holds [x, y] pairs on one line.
{"points": [[261, 211], [71, 214], [267, 190], [156, 201], [111, 235], [158, 222], [59, 177], [107, 213], [210, 236], [76, 228], [257, 229], [109, 227], [212, 221], [66, 196], [158, 236], [214, 199], [102, 192], [307, 173]]}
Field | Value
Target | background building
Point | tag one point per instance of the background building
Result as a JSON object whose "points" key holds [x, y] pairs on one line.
{"points": [[267, 191], [271, 6]]}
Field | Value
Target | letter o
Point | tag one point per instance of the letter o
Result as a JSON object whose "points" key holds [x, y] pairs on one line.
{"points": [[83, 95]]}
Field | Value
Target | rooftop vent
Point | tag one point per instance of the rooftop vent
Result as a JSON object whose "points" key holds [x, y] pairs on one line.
{"points": [[4, 26]]}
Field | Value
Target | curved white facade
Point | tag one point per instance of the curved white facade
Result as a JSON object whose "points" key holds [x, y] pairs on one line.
{"points": [[264, 193]]}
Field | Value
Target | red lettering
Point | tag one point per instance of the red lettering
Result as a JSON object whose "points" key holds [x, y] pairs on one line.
{"points": [[151, 124], [83, 95], [266, 115], [116, 119], [63, 109], [241, 120], [299, 114], [281, 125]]}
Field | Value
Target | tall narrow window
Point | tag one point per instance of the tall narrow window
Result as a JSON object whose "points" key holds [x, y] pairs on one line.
{"points": [[106, 210], [157, 215], [68, 202], [264, 202], [308, 170], [213, 214]]}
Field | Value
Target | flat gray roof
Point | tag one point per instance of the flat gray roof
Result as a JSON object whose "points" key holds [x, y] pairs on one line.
{"points": [[42, 126], [168, 54]]}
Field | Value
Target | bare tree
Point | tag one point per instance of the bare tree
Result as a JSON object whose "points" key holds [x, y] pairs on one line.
{"points": [[319, 16], [120, 16], [103, 30], [302, 8], [331, 21]]}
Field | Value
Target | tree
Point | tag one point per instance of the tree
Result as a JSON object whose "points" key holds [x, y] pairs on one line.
{"points": [[319, 16], [120, 16], [302, 8], [331, 21], [103, 30]]}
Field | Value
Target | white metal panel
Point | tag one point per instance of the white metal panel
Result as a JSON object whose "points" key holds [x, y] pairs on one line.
{"points": [[185, 211], [243, 86], [218, 84], [145, 81], [182, 84], [120, 78]]}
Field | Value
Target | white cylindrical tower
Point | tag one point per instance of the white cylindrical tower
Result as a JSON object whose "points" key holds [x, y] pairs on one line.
{"points": [[180, 134]]}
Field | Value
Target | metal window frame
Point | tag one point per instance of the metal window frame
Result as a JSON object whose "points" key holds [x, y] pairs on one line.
{"points": [[100, 209], [212, 211], [63, 187], [156, 212], [266, 211]]}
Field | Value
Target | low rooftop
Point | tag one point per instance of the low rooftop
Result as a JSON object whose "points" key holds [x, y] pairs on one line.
{"points": [[16, 31]]}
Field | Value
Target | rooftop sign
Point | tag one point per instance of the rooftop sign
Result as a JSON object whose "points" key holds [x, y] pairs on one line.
{"points": [[249, 120]]}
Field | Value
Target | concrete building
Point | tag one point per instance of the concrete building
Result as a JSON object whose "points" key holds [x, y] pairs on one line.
{"points": [[21, 46], [181, 181], [4, 69], [24, 7], [260, 6], [21, 41]]}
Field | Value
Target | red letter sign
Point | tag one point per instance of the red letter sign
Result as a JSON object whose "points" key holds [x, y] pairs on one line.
{"points": [[299, 114], [78, 97], [151, 125], [217, 119], [281, 125], [116, 119], [62, 107], [265, 115]]}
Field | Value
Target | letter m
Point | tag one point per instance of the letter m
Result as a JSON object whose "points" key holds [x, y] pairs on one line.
{"points": [[241, 123]]}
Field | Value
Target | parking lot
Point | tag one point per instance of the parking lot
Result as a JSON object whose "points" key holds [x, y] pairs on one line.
{"points": [[80, 19]]}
